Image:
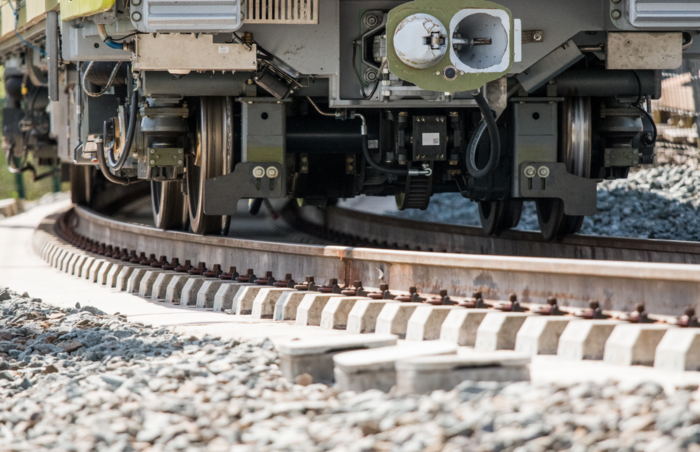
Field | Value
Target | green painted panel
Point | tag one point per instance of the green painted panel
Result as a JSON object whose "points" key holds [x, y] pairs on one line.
{"points": [[70, 9], [270, 154], [431, 78]]}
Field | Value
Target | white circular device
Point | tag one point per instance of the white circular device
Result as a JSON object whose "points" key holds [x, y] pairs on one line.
{"points": [[420, 41]]}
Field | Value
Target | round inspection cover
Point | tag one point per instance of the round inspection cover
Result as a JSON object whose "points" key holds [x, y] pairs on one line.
{"points": [[420, 41]]}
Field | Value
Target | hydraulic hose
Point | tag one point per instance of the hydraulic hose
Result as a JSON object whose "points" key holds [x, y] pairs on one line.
{"points": [[131, 130], [488, 122], [102, 31], [103, 166]]}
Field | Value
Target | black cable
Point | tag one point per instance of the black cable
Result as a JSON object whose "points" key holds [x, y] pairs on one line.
{"points": [[646, 114], [125, 37], [133, 108], [495, 155], [378, 167], [105, 170], [650, 118]]}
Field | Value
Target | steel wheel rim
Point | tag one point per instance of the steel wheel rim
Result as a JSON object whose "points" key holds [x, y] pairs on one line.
{"points": [[211, 145]]}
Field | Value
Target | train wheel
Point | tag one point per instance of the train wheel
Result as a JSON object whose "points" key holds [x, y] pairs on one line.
{"points": [[169, 207], [210, 156], [80, 184], [553, 221], [497, 216], [575, 152]]}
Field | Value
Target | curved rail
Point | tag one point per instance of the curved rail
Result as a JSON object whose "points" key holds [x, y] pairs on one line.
{"points": [[379, 231], [616, 285]]}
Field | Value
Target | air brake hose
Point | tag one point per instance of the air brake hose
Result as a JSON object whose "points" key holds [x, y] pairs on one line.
{"points": [[131, 130], [103, 166], [488, 122], [102, 31]]}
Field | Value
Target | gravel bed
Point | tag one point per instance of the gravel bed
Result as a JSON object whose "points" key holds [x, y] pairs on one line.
{"points": [[660, 203], [82, 380]]}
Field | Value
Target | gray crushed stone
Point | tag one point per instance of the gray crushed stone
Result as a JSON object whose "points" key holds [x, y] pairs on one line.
{"points": [[656, 203], [82, 380]]}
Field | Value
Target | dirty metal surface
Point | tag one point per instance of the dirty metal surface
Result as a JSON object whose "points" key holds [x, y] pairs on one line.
{"points": [[665, 288], [391, 232]]}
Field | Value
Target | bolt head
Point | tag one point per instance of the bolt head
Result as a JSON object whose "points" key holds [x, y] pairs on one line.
{"points": [[152, 151], [153, 162], [537, 36], [530, 171], [272, 172], [179, 162], [616, 14], [258, 172], [543, 172]]}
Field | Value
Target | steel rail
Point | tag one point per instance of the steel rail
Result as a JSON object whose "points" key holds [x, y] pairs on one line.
{"points": [[360, 228], [665, 289]]}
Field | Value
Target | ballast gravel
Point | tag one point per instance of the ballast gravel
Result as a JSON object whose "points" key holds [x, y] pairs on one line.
{"points": [[657, 203], [82, 380]]}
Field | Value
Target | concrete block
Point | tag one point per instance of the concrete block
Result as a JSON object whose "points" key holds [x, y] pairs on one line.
{"points": [[134, 282], [123, 277], [104, 271], [363, 370], [160, 286], [460, 326], [314, 355], [77, 271], [430, 373], [539, 335], [148, 280], [311, 308], [287, 305], [585, 340], [175, 286], [77, 257], [85, 271], [498, 330], [679, 350], [223, 299], [265, 300], [634, 344], [57, 255], [206, 294], [188, 297], [95, 269], [426, 321], [393, 318], [363, 316], [113, 274], [335, 314], [66, 259], [46, 249], [243, 301]]}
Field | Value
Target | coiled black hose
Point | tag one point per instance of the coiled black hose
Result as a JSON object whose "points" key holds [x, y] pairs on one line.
{"points": [[375, 165], [131, 130], [488, 122], [105, 170]]}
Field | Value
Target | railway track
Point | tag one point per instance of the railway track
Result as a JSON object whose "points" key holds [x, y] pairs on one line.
{"points": [[520, 303]]}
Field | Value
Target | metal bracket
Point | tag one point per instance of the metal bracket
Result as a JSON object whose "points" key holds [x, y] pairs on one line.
{"points": [[248, 180], [550, 180]]}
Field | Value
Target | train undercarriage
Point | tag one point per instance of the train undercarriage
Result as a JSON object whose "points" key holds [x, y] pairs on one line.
{"points": [[213, 101]]}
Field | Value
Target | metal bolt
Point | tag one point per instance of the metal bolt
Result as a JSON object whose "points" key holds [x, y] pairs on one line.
{"points": [[543, 172], [304, 168], [437, 73], [350, 168], [530, 171], [616, 1], [349, 159], [304, 159], [537, 36], [272, 172], [152, 151], [258, 172], [616, 14], [179, 151], [179, 162], [153, 162]]}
